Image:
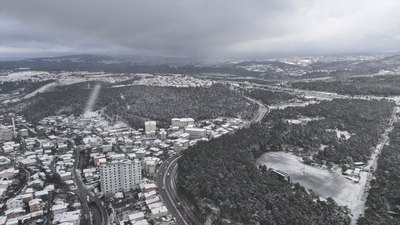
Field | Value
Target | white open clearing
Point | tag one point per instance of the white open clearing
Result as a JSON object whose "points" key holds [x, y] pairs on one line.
{"points": [[324, 182]]}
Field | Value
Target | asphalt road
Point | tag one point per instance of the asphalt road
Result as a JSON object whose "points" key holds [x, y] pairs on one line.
{"points": [[84, 194], [166, 180], [262, 111]]}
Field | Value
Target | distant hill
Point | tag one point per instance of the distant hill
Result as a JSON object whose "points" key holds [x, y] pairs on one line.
{"points": [[287, 68]]}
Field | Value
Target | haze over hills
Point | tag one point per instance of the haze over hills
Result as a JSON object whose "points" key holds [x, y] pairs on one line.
{"points": [[280, 68]]}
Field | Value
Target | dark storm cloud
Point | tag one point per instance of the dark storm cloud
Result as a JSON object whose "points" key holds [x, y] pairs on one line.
{"points": [[216, 28]]}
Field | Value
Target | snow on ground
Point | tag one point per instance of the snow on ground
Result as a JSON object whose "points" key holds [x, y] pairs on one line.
{"points": [[25, 75], [324, 182], [67, 78], [175, 80], [323, 147], [292, 104], [339, 133], [303, 120], [40, 90]]}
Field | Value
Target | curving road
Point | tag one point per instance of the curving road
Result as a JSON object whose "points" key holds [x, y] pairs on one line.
{"points": [[262, 111], [166, 180]]}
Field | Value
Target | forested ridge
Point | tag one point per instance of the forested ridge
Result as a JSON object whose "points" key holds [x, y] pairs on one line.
{"points": [[378, 85], [135, 104], [23, 86], [383, 201]]}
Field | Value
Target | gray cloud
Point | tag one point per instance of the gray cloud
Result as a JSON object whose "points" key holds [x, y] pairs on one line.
{"points": [[191, 28]]}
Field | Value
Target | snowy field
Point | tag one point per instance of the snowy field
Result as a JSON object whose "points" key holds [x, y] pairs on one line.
{"points": [[325, 183]]}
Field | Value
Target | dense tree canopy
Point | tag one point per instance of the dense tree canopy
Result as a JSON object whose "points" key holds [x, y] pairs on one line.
{"points": [[378, 85], [135, 104], [269, 97], [365, 120], [23, 86]]}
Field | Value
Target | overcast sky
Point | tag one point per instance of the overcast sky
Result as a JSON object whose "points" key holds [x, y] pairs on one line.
{"points": [[198, 28]]}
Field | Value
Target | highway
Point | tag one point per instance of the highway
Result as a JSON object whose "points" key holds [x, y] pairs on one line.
{"points": [[166, 180], [262, 111]]}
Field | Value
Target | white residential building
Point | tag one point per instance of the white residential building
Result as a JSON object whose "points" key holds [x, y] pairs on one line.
{"points": [[59, 208], [181, 144], [182, 122], [118, 176], [106, 148], [6, 133], [159, 212], [150, 126], [14, 203], [134, 217], [196, 132]]}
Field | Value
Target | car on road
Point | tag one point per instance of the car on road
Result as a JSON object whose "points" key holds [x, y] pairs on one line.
{"points": [[167, 174]]}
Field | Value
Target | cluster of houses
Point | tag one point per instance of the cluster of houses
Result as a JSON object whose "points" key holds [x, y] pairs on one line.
{"points": [[175, 80], [117, 159], [34, 202], [151, 208], [29, 163]]}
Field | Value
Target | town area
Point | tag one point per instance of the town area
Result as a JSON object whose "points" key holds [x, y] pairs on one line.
{"points": [[87, 170]]}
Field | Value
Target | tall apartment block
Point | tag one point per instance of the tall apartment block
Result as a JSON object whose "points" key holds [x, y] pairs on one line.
{"points": [[120, 176]]}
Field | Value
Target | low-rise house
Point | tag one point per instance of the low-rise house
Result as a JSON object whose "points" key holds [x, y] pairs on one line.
{"points": [[26, 198], [14, 212], [134, 217], [4, 161], [41, 194], [72, 218], [141, 222], [8, 173], [147, 187], [15, 202], [35, 205], [158, 212], [59, 208], [106, 148]]}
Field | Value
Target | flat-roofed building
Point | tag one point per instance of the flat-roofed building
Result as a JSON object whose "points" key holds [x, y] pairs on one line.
{"points": [[196, 132], [150, 126], [182, 122]]}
